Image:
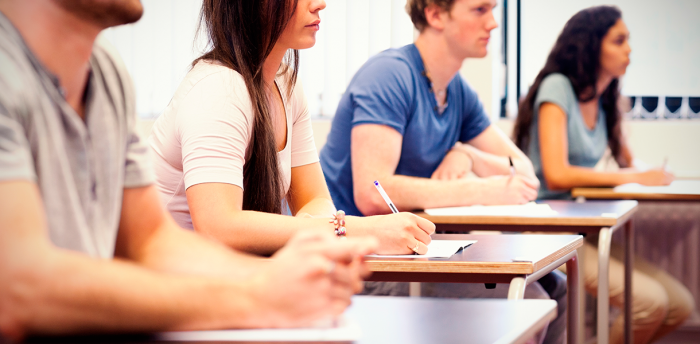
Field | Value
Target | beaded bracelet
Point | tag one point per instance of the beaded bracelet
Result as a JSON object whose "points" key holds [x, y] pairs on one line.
{"points": [[339, 222]]}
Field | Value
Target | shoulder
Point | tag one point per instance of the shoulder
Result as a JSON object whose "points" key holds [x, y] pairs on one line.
{"points": [[210, 83], [556, 81], [211, 93], [214, 74], [20, 82], [389, 68], [556, 88]]}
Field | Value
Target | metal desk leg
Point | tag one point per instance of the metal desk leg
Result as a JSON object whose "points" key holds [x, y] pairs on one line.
{"points": [[573, 297], [581, 296], [629, 268], [516, 291], [604, 241], [414, 289]]}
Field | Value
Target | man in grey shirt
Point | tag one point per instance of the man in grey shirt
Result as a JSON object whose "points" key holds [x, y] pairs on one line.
{"points": [[75, 192]]}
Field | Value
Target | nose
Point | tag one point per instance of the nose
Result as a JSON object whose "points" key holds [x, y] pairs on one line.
{"points": [[491, 22], [318, 6]]}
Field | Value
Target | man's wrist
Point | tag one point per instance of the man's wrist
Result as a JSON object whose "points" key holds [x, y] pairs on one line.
{"points": [[464, 149]]}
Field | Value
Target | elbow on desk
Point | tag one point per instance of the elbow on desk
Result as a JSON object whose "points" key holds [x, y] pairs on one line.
{"points": [[370, 204], [558, 181], [15, 295]]}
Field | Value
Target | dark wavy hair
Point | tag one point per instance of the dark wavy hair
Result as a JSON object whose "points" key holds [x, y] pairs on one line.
{"points": [[576, 54], [241, 36]]}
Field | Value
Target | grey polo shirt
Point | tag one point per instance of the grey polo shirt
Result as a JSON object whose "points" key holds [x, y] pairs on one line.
{"points": [[81, 167]]}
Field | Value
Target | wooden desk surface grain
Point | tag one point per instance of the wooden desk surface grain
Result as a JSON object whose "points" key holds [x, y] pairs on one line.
{"points": [[609, 193], [491, 254]]}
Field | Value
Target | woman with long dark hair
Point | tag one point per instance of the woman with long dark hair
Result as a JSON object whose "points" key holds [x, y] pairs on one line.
{"points": [[235, 147], [565, 123], [571, 109]]}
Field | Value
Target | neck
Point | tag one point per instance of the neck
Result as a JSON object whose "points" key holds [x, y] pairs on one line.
{"points": [[60, 40], [602, 84], [439, 60], [272, 64]]}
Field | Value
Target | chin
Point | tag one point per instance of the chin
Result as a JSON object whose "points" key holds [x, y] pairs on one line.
{"points": [[305, 44], [104, 13], [480, 53]]}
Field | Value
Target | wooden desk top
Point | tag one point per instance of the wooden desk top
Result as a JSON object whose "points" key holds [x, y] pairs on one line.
{"points": [[491, 254], [609, 193], [569, 214], [412, 320]]}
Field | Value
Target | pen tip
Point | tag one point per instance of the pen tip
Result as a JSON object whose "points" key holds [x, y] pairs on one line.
{"points": [[376, 182]]}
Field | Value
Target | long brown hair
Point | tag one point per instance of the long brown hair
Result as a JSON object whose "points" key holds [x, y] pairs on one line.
{"points": [[242, 34], [576, 54]]}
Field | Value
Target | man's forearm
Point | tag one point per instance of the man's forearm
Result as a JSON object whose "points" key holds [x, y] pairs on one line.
{"points": [[411, 193], [487, 164], [61, 292], [176, 250]]}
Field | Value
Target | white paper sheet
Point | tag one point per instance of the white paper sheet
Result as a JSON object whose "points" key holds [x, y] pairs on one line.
{"points": [[531, 209], [678, 187], [436, 249], [345, 329]]}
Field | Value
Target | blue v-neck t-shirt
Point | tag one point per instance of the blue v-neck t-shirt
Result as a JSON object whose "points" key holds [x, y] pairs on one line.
{"points": [[586, 146], [391, 89]]}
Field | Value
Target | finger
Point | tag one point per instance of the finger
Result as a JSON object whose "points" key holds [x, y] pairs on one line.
{"points": [[341, 291], [318, 266], [530, 194], [344, 274], [345, 251], [533, 183], [339, 306], [424, 224], [420, 248], [363, 269], [420, 235]]}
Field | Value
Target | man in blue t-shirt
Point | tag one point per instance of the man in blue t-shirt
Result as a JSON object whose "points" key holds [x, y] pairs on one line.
{"points": [[409, 120]]}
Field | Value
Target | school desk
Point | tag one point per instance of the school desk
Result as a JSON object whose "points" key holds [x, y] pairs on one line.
{"points": [[491, 260]]}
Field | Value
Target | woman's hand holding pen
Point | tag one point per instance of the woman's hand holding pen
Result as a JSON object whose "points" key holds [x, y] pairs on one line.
{"points": [[653, 177], [401, 233]]}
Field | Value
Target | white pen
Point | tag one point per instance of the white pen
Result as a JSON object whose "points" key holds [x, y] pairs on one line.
{"points": [[385, 197], [512, 167]]}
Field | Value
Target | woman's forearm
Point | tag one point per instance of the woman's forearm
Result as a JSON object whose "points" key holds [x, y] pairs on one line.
{"points": [[570, 177], [258, 232], [318, 207]]}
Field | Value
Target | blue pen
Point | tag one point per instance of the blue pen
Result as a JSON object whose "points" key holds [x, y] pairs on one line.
{"points": [[385, 197]]}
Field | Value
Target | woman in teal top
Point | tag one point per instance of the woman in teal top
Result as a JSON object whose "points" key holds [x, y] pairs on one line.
{"points": [[571, 109], [565, 124]]}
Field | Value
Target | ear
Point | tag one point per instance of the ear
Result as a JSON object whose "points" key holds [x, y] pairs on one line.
{"points": [[436, 16]]}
